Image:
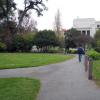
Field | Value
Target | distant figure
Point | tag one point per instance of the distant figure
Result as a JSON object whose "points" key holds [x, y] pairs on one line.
{"points": [[80, 52]]}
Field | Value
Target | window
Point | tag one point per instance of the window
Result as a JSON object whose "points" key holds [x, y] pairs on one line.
{"points": [[83, 32], [98, 26], [88, 32], [79, 31]]}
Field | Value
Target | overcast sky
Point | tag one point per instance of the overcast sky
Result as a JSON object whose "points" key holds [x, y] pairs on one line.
{"points": [[69, 9]]}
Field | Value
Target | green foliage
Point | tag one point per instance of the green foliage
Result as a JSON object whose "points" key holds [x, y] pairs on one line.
{"points": [[10, 26], [45, 39], [96, 63], [61, 41], [72, 51], [19, 88], [56, 50], [74, 38], [97, 41], [74, 33], [2, 46], [23, 43], [93, 54], [97, 47], [71, 38], [97, 35], [6, 8], [96, 71], [96, 66]]}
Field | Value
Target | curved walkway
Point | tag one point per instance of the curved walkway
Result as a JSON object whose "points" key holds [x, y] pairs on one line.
{"points": [[62, 81]]}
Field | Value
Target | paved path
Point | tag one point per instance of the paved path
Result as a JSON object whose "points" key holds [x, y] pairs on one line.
{"points": [[62, 81]]}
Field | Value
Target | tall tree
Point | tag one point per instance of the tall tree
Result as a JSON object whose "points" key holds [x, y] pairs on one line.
{"points": [[57, 24], [6, 9], [7, 23], [71, 38], [7, 20], [28, 24], [36, 5]]}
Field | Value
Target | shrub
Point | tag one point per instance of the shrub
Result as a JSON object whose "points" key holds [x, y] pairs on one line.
{"points": [[97, 49], [93, 54], [23, 43], [2, 46], [55, 50], [72, 51]]}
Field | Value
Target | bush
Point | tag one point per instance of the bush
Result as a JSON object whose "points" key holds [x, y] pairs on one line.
{"points": [[23, 43], [93, 54], [72, 51], [2, 46], [55, 50], [97, 49], [45, 39]]}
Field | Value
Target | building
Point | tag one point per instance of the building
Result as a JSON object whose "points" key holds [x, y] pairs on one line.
{"points": [[86, 26]]}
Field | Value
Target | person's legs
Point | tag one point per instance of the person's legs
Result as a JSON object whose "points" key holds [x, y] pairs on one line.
{"points": [[80, 56]]}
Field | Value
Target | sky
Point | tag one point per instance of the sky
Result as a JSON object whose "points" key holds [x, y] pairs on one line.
{"points": [[69, 10]]}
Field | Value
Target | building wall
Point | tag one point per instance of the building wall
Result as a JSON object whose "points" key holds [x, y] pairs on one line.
{"points": [[86, 25]]}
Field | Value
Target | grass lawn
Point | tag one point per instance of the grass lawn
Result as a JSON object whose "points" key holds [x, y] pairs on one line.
{"points": [[19, 88], [16, 60], [96, 71]]}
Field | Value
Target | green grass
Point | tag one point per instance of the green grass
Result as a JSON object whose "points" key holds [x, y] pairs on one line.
{"points": [[19, 88], [16, 60], [96, 71]]}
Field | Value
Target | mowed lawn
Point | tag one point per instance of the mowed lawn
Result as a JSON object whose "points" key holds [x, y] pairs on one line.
{"points": [[17, 60], [19, 88], [96, 71]]}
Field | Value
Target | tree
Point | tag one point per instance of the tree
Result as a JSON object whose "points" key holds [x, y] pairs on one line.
{"points": [[36, 5], [57, 24], [86, 41], [97, 40], [7, 22], [2, 46], [22, 42], [71, 38], [6, 9], [28, 25], [74, 38], [75, 35], [97, 35], [58, 29], [45, 39]]}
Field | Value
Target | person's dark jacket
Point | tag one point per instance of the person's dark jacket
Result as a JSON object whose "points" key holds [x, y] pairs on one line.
{"points": [[80, 50]]}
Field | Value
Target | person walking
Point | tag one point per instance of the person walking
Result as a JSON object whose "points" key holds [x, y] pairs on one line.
{"points": [[80, 52]]}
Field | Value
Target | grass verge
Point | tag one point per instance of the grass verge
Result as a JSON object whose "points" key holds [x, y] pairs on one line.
{"points": [[19, 88], [96, 71], [19, 60]]}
